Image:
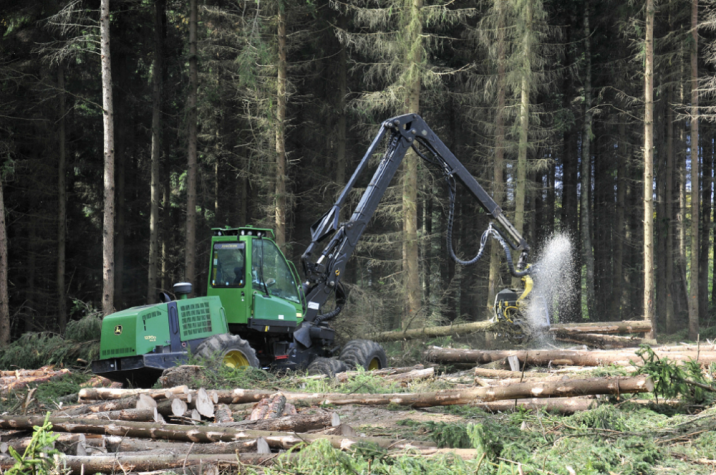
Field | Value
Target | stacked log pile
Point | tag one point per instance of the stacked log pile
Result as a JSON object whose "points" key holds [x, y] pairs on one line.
{"points": [[19, 379]]}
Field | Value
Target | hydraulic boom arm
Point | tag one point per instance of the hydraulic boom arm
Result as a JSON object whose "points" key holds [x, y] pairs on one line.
{"points": [[403, 132]]}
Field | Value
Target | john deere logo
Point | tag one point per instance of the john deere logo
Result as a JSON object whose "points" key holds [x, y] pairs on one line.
{"points": [[118, 330]]}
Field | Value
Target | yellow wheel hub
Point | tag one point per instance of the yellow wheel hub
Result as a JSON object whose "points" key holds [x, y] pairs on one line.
{"points": [[235, 359], [374, 364]]}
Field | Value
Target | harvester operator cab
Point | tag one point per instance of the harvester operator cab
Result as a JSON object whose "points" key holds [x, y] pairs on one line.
{"points": [[228, 265]]}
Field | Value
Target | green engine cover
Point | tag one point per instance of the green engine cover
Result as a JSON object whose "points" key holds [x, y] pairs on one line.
{"points": [[140, 330]]}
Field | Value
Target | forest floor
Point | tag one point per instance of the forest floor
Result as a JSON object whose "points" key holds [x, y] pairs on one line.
{"points": [[618, 436]]}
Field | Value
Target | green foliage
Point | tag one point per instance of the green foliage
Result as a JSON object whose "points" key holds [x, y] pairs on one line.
{"points": [[672, 380], [605, 417], [37, 459], [33, 350], [88, 328]]}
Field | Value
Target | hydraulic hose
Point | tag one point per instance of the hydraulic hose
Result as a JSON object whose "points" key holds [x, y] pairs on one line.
{"points": [[452, 191], [340, 302]]}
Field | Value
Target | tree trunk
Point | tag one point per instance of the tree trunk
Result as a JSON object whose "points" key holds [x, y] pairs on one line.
{"points": [[280, 190], [190, 257], [669, 217], [155, 184], [137, 415], [586, 185], [108, 122], [4, 307], [649, 313], [94, 394], [498, 182], [694, 271], [129, 402], [706, 182], [524, 114], [61, 204], [558, 357], [619, 235], [411, 270]]}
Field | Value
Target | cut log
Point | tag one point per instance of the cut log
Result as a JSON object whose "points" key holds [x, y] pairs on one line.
{"points": [[566, 357], [105, 406], [276, 406], [297, 423], [414, 375], [95, 394], [559, 405], [636, 326], [222, 414], [195, 415], [281, 440], [126, 444], [260, 410], [172, 407], [440, 398], [499, 373], [139, 415], [203, 404], [140, 463], [627, 326], [600, 341], [69, 444], [144, 401]]}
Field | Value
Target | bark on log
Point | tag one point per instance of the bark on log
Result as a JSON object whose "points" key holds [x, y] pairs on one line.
{"points": [[636, 326], [560, 405], [566, 357], [139, 463], [223, 414], [499, 373], [71, 444], [95, 394], [600, 341], [138, 415], [113, 405], [414, 375], [197, 434], [297, 423], [126, 444]]}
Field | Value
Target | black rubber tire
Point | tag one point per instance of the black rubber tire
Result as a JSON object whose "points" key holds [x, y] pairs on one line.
{"points": [[214, 349], [357, 353], [328, 366]]}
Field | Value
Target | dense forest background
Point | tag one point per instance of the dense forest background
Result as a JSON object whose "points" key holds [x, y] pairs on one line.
{"points": [[591, 119]]}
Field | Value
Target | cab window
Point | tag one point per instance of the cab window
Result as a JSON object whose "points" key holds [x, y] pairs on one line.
{"points": [[228, 265], [269, 271]]}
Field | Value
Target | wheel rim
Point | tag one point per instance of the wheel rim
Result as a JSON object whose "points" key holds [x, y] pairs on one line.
{"points": [[374, 364], [235, 359]]}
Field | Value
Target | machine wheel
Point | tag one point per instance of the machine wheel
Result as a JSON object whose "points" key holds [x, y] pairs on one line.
{"points": [[366, 353], [231, 350], [327, 366]]}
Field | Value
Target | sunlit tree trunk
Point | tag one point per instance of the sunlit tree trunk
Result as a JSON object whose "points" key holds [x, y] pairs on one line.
{"points": [[524, 118], [649, 313], [108, 122], [694, 271], [499, 165], [190, 248], [585, 207], [280, 190], [411, 273], [669, 202], [61, 205], [155, 184]]}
